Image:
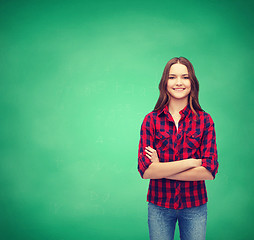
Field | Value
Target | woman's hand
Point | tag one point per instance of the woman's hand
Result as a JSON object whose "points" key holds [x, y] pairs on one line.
{"points": [[152, 154]]}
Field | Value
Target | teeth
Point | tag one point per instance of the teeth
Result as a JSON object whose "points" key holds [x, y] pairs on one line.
{"points": [[178, 89]]}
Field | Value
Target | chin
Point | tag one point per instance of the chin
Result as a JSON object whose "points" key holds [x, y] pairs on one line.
{"points": [[179, 96]]}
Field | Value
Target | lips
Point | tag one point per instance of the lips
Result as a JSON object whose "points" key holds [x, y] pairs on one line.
{"points": [[179, 89]]}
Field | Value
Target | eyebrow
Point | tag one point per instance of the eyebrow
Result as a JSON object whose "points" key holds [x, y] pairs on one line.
{"points": [[175, 75]]}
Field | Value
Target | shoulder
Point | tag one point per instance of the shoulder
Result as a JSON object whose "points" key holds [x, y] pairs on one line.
{"points": [[207, 118], [149, 118], [151, 115]]}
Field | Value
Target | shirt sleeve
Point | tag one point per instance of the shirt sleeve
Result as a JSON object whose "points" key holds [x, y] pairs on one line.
{"points": [[146, 139], [208, 148]]}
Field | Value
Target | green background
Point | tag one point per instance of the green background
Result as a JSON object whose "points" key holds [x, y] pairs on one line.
{"points": [[77, 79]]}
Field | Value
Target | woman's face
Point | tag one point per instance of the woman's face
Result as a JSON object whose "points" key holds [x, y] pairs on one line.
{"points": [[179, 84]]}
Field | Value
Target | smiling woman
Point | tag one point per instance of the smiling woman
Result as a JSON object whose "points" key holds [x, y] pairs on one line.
{"points": [[177, 152]]}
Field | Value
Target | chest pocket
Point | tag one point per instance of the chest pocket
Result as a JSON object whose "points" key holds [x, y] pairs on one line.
{"points": [[162, 139], [193, 139]]}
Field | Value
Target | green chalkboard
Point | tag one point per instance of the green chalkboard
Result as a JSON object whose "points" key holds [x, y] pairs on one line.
{"points": [[77, 79]]}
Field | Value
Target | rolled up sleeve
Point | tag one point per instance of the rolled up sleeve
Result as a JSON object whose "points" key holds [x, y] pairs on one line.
{"points": [[208, 148], [146, 139]]}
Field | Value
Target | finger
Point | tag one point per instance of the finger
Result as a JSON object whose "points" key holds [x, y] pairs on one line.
{"points": [[148, 156], [151, 149], [147, 150]]}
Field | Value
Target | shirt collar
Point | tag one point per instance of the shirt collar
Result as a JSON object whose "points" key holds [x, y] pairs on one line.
{"points": [[184, 112]]}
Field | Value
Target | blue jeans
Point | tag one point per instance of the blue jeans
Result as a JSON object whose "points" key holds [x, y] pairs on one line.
{"points": [[191, 221]]}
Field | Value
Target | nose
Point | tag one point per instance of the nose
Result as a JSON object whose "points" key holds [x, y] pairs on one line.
{"points": [[178, 81]]}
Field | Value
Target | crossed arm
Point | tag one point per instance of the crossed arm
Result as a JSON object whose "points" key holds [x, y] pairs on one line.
{"points": [[193, 174], [184, 170]]}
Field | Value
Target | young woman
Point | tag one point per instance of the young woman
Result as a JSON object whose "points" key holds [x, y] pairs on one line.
{"points": [[177, 152]]}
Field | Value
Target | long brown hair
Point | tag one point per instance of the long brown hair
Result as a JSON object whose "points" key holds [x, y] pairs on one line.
{"points": [[164, 97]]}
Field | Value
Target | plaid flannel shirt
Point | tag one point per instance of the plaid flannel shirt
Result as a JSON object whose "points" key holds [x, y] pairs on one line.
{"points": [[192, 139]]}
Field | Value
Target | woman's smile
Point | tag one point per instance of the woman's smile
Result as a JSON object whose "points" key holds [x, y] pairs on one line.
{"points": [[178, 89]]}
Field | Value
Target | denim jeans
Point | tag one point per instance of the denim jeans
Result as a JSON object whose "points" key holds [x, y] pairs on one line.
{"points": [[191, 221]]}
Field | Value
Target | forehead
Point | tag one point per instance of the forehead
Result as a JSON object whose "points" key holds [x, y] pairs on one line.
{"points": [[178, 69]]}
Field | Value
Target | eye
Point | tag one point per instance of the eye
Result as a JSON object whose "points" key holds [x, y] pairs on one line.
{"points": [[170, 77], [186, 77]]}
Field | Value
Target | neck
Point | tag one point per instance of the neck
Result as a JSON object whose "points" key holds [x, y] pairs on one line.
{"points": [[175, 107]]}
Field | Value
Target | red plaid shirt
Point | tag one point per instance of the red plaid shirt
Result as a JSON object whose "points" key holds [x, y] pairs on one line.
{"points": [[191, 140]]}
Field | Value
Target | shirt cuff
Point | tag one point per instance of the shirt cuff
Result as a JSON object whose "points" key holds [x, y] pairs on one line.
{"points": [[207, 163], [143, 165]]}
